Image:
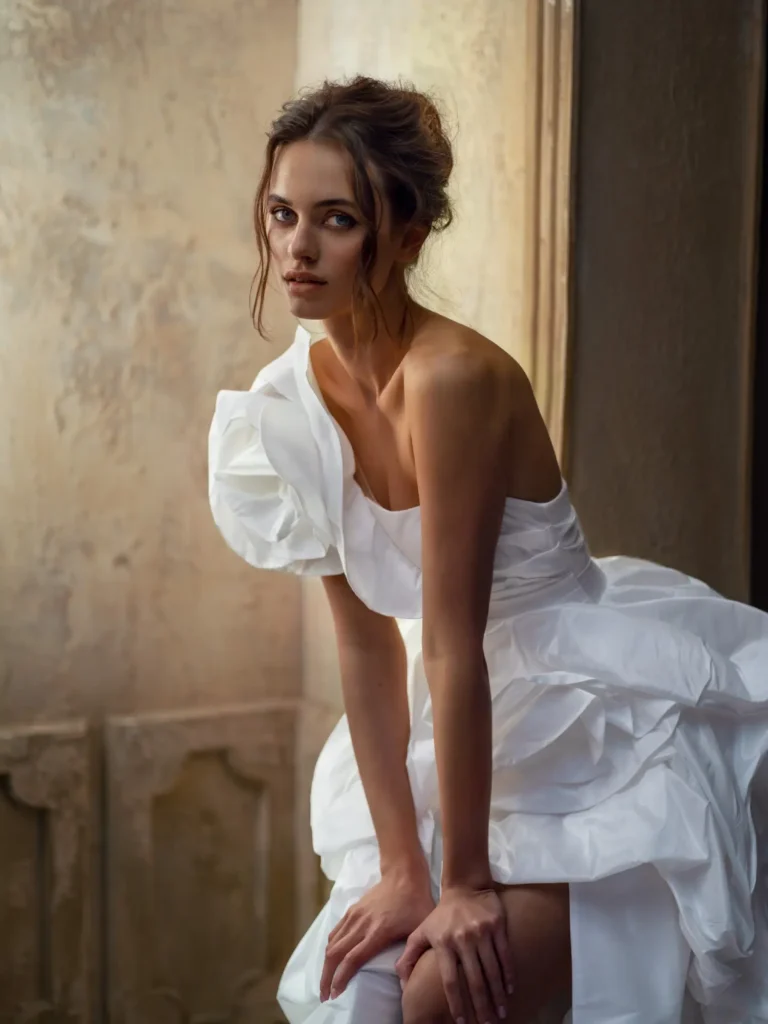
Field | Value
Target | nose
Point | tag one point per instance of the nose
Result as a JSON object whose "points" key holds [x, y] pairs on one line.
{"points": [[303, 245]]}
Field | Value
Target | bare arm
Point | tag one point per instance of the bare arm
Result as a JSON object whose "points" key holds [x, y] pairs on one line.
{"points": [[461, 430], [373, 678], [461, 424]]}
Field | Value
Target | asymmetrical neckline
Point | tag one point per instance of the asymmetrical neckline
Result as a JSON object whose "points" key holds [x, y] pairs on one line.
{"points": [[376, 505]]}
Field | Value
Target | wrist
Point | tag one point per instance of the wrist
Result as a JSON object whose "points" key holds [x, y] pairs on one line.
{"points": [[473, 879], [407, 867]]}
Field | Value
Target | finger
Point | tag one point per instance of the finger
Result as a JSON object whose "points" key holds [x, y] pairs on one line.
{"points": [[416, 945], [330, 964], [504, 953], [342, 926], [479, 993], [449, 973], [354, 960], [334, 954], [489, 961]]}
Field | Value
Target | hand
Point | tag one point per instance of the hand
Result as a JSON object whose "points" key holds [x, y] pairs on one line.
{"points": [[388, 913], [467, 930]]}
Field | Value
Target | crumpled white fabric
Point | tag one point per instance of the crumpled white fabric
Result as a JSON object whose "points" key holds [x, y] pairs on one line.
{"points": [[266, 482], [630, 711]]}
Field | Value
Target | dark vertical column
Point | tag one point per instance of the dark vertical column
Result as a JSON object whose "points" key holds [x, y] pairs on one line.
{"points": [[658, 426], [759, 547]]}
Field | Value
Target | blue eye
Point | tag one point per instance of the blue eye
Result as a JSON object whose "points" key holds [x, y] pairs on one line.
{"points": [[278, 210], [345, 220]]}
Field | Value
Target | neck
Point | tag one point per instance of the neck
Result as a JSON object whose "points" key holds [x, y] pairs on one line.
{"points": [[371, 360]]}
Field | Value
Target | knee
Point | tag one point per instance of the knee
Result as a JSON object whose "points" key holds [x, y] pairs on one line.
{"points": [[423, 997], [419, 1011]]}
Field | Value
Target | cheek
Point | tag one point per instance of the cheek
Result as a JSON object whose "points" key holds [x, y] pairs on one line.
{"points": [[344, 252]]}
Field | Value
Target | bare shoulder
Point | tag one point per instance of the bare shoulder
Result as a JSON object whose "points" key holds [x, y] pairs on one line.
{"points": [[450, 360], [464, 393]]}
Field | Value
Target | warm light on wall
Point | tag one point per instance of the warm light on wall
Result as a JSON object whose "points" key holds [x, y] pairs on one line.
{"points": [[548, 230]]}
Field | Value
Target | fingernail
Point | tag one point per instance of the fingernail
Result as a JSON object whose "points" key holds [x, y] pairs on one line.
{"points": [[460, 1020], [510, 988], [502, 1013]]}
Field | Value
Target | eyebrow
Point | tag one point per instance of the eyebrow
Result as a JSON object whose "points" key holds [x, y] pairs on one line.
{"points": [[274, 198]]}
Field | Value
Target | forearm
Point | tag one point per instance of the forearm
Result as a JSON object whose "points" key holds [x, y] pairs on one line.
{"points": [[461, 705], [376, 703]]}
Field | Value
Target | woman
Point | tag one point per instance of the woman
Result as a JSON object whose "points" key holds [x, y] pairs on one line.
{"points": [[541, 786]]}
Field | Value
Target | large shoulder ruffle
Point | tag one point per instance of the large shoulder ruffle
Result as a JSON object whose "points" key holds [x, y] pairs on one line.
{"points": [[283, 494], [265, 477]]}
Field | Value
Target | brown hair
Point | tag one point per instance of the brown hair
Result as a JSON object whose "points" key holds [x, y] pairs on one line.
{"points": [[389, 130]]}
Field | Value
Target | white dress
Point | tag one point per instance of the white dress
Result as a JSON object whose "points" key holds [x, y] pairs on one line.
{"points": [[630, 712]]}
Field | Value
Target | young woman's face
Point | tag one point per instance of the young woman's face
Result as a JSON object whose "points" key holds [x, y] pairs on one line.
{"points": [[316, 233]]}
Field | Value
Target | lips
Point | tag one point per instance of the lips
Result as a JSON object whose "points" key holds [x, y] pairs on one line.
{"points": [[299, 277], [300, 284]]}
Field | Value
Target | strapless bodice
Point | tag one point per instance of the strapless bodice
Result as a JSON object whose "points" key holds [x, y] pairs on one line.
{"points": [[541, 555]]}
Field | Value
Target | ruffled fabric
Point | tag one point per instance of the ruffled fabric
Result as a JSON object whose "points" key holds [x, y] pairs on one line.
{"points": [[260, 498]]}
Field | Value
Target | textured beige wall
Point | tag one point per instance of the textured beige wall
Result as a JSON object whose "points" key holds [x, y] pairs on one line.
{"points": [[472, 55], [665, 205], [130, 142]]}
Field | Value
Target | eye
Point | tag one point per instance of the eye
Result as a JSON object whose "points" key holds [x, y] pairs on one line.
{"points": [[343, 220], [281, 214]]}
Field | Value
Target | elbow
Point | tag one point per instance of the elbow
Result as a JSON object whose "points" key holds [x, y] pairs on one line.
{"points": [[453, 641], [457, 653]]}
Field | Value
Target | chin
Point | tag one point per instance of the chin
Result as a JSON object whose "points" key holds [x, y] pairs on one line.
{"points": [[304, 308]]}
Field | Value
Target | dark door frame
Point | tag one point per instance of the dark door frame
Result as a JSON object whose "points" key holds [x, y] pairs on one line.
{"points": [[759, 528]]}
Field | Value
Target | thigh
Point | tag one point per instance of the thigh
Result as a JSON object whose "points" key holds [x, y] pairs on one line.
{"points": [[538, 926]]}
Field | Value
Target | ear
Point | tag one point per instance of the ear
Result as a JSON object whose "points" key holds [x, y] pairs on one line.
{"points": [[414, 236]]}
